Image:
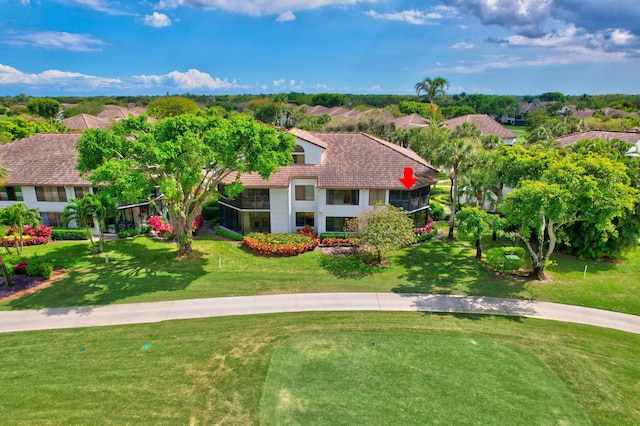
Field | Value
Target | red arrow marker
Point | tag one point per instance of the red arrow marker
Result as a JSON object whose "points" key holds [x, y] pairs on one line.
{"points": [[408, 180]]}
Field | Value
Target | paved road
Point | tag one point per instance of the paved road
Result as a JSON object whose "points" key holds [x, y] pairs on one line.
{"points": [[135, 313]]}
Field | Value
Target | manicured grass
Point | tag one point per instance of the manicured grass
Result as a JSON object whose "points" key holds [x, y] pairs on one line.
{"points": [[142, 270], [213, 371], [379, 378]]}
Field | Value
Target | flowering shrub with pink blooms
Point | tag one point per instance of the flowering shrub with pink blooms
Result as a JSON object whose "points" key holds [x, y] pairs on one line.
{"points": [[30, 236], [197, 223], [162, 229]]}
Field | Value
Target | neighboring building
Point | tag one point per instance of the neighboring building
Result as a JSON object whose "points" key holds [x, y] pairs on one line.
{"points": [[411, 121], [116, 112], [335, 176], [86, 121], [486, 124], [43, 175], [632, 137]]}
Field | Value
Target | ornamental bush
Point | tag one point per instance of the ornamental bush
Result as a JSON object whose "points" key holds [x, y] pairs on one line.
{"points": [[340, 242], [506, 259], [39, 266], [436, 210], [58, 234], [162, 229], [280, 244]]}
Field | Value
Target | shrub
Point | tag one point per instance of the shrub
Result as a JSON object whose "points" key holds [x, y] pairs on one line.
{"points": [[436, 210], [281, 244], [342, 235], [39, 266], [425, 237], [498, 260], [340, 242], [223, 232], [210, 211], [131, 232], [58, 234], [425, 229], [20, 268], [197, 224], [30, 236], [163, 229], [442, 199], [307, 231]]}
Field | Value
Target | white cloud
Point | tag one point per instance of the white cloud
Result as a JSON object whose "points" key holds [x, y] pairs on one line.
{"points": [[320, 87], [55, 40], [462, 45], [73, 82], [156, 20], [416, 17], [277, 83], [190, 80], [68, 80], [286, 17], [101, 6], [259, 7]]}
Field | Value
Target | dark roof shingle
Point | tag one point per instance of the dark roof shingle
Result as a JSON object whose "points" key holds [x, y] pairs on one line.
{"points": [[44, 159], [352, 160]]}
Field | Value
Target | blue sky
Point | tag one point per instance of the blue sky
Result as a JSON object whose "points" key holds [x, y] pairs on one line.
{"points": [[145, 47]]}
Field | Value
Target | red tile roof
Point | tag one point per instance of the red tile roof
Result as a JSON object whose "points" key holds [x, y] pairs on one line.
{"points": [[86, 121], [605, 135], [45, 159], [354, 161], [409, 121], [486, 124]]}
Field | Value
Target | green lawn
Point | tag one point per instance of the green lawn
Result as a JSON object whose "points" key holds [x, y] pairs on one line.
{"points": [[447, 368], [383, 378], [143, 270]]}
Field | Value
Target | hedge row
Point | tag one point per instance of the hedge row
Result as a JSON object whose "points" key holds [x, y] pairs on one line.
{"points": [[281, 244], [58, 234]]}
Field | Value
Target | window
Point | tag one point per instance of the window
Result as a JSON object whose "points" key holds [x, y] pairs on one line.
{"points": [[10, 193], [51, 193], [258, 222], [346, 197], [304, 193], [336, 224], [376, 195], [249, 199], [410, 200], [298, 155], [305, 218], [81, 191], [53, 219]]}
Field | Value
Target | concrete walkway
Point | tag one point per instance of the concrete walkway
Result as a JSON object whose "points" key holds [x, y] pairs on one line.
{"points": [[134, 313]]}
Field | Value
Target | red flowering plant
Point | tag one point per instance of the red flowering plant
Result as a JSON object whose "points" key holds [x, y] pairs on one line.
{"points": [[279, 244], [307, 231], [197, 224], [30, 236], [161, 228], [425, 229]]}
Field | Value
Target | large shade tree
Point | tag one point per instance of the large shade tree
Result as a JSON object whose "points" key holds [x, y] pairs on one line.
{"points": [[185, 157], [575, 188]]}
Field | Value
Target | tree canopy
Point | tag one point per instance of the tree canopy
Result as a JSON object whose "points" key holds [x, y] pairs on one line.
{"points": [[573, 188], [44, 107], [171, 106], [185, 157], [383, 229]]}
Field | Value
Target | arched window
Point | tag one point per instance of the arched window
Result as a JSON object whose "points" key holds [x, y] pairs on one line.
{"points": [[298, 155]]}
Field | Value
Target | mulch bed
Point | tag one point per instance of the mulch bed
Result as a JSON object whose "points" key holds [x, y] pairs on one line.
{"points": [[22, 282]]}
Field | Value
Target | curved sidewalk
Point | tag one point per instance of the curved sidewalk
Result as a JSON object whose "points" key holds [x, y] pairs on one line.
{"points": [[135, 313]]}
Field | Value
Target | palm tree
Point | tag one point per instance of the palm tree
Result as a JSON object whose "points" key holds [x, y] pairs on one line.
{"points": [[455, 155], [17, 216], [81, 212], [4, 175], [432, 88]]}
